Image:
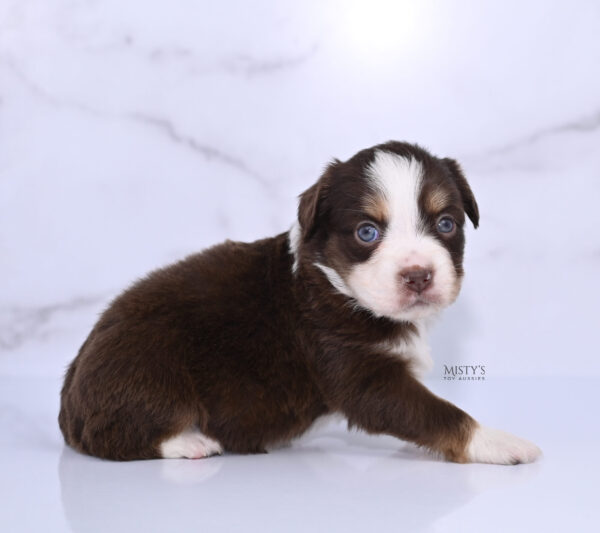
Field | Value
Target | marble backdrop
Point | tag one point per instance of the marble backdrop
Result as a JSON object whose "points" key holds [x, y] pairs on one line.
{"points": [[134, 133]]}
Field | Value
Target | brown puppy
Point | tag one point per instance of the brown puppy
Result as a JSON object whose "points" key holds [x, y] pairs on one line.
{"points": [[244, 345]]}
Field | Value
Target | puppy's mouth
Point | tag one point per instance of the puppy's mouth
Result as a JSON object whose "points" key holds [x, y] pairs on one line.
{"points": [[419, 301]]}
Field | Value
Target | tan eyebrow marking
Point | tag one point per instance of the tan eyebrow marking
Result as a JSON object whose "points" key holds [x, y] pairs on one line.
{"points": [[376, 207], [437, 200]]}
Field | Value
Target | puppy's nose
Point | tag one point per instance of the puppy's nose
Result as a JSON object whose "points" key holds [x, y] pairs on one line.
{"points": [[416, 278]]}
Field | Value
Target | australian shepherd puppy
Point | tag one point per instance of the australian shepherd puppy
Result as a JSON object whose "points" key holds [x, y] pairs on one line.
{"points": [[243, 346]]}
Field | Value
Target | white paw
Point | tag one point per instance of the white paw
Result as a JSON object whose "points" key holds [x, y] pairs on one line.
{"points": [[489, 445], [190, 444]]}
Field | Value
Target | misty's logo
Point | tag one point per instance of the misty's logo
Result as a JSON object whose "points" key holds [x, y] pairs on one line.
{"points": [[464, 372]]}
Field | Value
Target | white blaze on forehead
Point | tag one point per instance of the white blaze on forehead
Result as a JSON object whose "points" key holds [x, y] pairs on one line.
{"points": [[398, 180]]}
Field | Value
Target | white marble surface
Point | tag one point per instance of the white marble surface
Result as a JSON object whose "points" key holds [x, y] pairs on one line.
{"points": [[328, 481], [133, 133]]}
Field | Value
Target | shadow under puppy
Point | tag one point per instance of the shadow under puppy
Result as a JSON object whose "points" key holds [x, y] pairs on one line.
{"points": [[243, 346]]}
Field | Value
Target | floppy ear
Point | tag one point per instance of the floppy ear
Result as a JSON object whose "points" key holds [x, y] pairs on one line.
{"points": [[312, 202], [466, 194]]}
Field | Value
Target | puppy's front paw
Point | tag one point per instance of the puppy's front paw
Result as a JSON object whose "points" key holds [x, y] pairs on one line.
{"points": [[489, 445]]}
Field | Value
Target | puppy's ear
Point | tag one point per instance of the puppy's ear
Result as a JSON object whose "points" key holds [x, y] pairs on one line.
{"points": [[312, 203], [468, 199]]}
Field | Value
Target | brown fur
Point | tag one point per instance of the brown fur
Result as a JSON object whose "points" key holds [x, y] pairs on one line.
{"points": [[437, 201], [232, 341]]}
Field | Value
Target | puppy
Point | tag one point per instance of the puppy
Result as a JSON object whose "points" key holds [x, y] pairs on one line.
{"points": [[244, 346]]}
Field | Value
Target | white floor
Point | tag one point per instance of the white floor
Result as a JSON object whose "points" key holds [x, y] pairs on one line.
{"points": [[330, 480]]}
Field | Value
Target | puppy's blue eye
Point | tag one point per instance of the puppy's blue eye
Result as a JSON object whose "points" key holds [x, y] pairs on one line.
{"points": [[445, 225], [367, 233]]}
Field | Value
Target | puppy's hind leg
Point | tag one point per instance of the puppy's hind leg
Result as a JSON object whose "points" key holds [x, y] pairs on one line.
{"points": [[133, 425], [191, 443]]}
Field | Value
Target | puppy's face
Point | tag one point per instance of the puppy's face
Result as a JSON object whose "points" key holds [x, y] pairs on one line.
{"points": [[386, 228]]}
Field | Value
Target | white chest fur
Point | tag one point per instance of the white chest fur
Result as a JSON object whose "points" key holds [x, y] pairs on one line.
{"points": [[415, 350]]}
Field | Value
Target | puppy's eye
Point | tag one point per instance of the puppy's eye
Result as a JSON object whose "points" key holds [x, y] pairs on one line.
{"points": [[446, 224], [367, 233]]}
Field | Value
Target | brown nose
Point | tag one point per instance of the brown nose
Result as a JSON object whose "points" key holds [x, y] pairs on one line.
{"points": [[416, 278]]}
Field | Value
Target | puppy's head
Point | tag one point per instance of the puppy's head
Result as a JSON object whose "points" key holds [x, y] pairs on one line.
{"points": [[386, 229]]}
